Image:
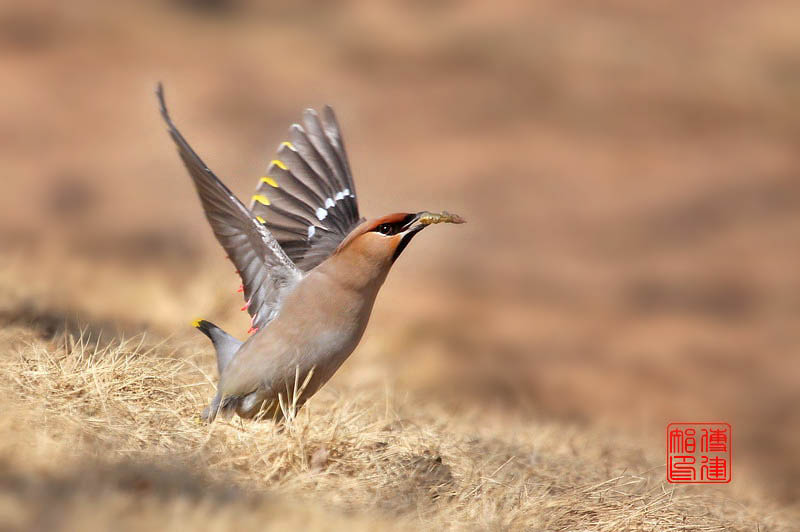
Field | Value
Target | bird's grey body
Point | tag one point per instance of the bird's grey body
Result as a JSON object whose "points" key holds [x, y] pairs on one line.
{"points": [[320, 324], [311, 267]]}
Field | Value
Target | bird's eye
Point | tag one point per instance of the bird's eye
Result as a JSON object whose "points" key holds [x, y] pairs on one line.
{"points": [[385, 229]]}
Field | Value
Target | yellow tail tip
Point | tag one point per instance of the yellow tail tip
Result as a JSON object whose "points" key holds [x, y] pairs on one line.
{"points": [[196, 323], [279, 164]]}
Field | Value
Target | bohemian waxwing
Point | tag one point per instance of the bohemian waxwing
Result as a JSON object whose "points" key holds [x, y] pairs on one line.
{"points": [[310, 267]]}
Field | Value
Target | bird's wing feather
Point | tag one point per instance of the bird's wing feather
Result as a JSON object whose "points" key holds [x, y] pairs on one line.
{"points": [[266, 270], [308, 199]]}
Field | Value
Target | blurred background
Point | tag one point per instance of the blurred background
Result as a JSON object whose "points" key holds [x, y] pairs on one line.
{"points": [[629, 172]]}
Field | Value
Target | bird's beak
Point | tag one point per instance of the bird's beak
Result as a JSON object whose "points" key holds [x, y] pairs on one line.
{"points": [[410, 225], [414, 223]]}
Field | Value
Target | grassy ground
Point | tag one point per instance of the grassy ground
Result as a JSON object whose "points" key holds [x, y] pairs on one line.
{"points": [[104, 432]]}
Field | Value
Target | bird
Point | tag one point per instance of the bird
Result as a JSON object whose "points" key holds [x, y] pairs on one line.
{"points": [[311, 267]]}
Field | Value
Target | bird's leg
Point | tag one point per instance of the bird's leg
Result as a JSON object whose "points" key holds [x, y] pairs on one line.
{"points": [[218, 406]]}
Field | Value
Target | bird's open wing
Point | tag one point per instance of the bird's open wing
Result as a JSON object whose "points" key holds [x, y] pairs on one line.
{"points": [[307, 198], [266, 271]]}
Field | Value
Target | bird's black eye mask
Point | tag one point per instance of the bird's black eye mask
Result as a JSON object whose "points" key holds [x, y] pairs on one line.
{"points": [[387, 229], [406, 226], [393, 228]]}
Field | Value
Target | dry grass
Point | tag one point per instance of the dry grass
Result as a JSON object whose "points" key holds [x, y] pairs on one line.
{"points": [[105, 432]]}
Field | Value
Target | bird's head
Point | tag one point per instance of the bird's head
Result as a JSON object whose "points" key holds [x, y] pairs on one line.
{"points": [[372, 247]]}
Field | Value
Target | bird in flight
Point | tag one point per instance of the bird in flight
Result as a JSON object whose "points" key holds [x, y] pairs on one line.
{"points": [[310, 265]]}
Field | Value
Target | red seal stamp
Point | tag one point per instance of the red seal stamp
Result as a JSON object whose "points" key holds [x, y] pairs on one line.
{"points": [[698, 453]]}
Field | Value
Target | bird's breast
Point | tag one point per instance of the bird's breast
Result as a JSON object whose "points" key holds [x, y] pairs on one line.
{"points": [[318, 327], [322, 322]]}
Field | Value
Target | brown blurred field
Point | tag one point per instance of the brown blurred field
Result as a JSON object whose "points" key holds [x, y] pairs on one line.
{"points": [[631, 178]]}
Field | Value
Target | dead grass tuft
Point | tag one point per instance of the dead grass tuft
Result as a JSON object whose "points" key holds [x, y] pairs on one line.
{"points": [[97, 428]]}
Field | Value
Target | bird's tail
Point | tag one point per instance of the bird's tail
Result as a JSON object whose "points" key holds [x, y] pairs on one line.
{"points": [[225, 344]]}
